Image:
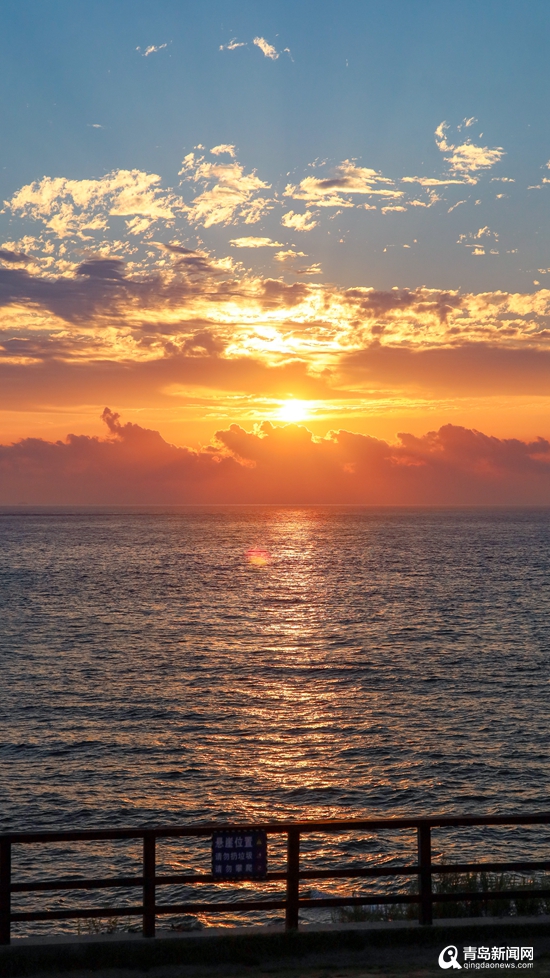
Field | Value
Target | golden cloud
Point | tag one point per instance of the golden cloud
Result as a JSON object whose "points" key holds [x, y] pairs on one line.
{"points": [[266, 48], [467, 158], [347, 178], [69, 207], [223, 148], [252, 242], [299, 222], [230, 194]]}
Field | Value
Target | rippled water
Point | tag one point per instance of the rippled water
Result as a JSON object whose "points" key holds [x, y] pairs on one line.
{"points": [[384, 662]]}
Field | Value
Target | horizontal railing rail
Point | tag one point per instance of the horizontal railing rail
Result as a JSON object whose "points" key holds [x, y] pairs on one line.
{"points": [[291, 902]]}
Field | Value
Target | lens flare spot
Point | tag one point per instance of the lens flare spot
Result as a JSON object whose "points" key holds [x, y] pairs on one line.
{"points": [[293, 411], [258, 558]]}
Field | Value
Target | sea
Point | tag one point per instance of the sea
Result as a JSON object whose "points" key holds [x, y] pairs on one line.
{"points": [[186, 665]]}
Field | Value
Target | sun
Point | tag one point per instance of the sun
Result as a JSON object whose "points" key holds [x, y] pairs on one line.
{"points": [[293, 411]]}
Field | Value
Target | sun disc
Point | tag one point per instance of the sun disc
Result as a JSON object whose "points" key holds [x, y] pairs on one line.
{"points": [[293, 411]]}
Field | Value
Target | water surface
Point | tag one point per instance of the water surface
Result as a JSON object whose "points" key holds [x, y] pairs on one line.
{"points": [[384, 662]]}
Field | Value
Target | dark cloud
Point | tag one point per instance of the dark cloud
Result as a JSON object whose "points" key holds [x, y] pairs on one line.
{"points": [[104, 268], [35, 346], [465, 369], [196, 264], [57, 381], [14, 257], [204, 342], [101, 289], [73, 300], [376, 303], [134, 465], [184, 321], [193, 262], [179, 249], [276, 464], [276, 293]]}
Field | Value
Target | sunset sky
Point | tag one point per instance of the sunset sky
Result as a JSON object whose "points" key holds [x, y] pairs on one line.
{"points": [[227, 219]]}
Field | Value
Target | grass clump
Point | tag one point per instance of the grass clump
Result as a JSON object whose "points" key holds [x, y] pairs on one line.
{"points": [[90, 926], [527, 905]]}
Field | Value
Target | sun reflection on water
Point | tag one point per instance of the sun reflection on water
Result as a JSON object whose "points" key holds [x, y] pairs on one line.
{"points": [[257, 557], [290, 612]]}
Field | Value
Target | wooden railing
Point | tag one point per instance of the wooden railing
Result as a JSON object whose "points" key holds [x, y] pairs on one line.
{"points": [[292, 902]]}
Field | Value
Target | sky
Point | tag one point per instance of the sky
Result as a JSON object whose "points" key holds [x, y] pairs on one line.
{"points": [[285, 252]]}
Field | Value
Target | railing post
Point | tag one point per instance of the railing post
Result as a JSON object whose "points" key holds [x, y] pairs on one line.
{"points": [[149, 871], [292, 879], [425, 873], [5, 890]]}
